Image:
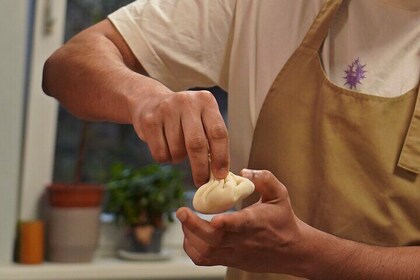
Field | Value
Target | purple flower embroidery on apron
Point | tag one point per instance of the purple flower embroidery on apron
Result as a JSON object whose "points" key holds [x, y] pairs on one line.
{"points": [[354, 74]]}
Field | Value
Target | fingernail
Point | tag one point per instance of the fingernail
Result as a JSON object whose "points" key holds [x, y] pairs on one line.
{"points": [[216, 222], [247, 173], [222, 173], [182, 216], [200, 184]]}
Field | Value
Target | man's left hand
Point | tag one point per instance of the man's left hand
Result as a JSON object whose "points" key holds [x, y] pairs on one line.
{"points": [[264, 237]]}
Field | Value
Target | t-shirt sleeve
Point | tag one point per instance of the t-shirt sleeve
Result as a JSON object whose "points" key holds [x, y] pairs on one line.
{"points": [[182, 43]]}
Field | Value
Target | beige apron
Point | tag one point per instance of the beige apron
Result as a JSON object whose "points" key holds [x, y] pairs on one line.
{"points": [[349, 160]]}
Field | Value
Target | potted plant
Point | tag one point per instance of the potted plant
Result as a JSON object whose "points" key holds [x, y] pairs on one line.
{"points": [[143, 199], [73, 216]]}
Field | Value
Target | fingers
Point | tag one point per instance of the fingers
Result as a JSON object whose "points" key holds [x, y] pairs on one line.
{"points": [[204, 135], [201, 241], [271, 190], [197, 146], [266, 184], [175, 139], [204, 255], [154, 136], [186, 123], [210, 233], [239, 222], [217, 135], [194, 224]]}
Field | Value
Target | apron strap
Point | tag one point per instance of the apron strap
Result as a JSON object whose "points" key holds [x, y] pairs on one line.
{"points": [[410, 154], [320, 27]]}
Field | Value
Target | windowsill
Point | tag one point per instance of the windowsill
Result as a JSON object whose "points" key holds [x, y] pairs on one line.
{"points": [[178, 267], [106, 266]]}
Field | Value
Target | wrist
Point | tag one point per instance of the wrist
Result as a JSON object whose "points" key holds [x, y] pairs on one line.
{"points": [[322, 253], [139, 91], [330, 257]]}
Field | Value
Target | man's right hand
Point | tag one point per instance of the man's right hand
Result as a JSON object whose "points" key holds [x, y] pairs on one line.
{"points": [[179, 124]]}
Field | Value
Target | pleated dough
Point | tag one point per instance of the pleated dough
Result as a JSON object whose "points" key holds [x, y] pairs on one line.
{"points": [[217, 196]]}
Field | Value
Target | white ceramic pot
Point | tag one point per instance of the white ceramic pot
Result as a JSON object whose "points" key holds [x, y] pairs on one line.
{"points": [[73, 233]]}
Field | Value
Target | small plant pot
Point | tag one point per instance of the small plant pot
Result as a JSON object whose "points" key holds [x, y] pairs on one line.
{"points": [[73, 222], [75, 195], [143, 239]]}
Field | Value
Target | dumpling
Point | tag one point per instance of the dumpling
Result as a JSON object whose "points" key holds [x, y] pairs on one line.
{"points": [[217, 196]]}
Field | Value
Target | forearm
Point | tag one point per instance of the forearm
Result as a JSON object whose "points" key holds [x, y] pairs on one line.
{"points": [[335, 258], [97, 77], [93, 80]]}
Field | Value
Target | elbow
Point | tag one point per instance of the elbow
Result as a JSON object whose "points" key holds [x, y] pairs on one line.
{"points": [[46, 76], [50, 75]]}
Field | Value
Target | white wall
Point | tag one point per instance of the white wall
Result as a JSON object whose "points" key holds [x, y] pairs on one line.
{"points": [[13, 34]]}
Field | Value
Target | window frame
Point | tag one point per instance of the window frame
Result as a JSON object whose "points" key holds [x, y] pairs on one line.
{"points": [[12, 71], [28, 116], [41, 110]]}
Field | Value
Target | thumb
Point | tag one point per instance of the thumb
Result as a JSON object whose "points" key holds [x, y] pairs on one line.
{"points": [[266, 184]]}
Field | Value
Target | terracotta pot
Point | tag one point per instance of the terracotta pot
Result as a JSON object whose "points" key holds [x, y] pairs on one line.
{"points": [[73, 222], [75, 195]]}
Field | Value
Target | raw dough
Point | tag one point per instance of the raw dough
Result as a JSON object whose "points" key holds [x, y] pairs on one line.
{"points": [[217, 196]]}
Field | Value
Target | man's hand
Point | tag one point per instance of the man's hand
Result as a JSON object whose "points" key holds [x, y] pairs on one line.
{"points": [[265, 237], [268, 237], [177, 124]]}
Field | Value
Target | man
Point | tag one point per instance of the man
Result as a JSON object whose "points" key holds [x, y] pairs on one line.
{"points": [[324, 98]]}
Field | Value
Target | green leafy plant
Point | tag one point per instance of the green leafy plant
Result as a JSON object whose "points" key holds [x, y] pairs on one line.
{"points": [[142, 196]]}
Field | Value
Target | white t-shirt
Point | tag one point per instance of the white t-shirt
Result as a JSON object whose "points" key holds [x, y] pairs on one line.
{"points": [[241, 45]]}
